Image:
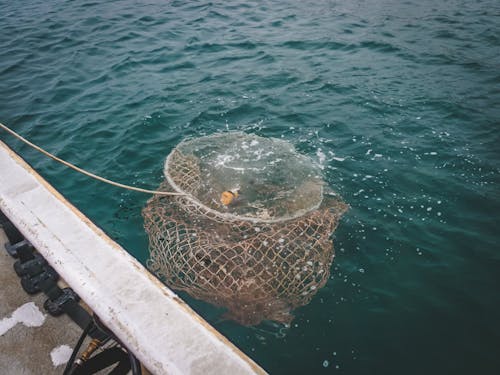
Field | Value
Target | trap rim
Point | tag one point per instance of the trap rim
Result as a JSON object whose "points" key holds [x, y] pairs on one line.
{"points": [[229, 216]]}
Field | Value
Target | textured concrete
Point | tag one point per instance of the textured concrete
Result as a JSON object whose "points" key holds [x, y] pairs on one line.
{"points": [[26, 350]]}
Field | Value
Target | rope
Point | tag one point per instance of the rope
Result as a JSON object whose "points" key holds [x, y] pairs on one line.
{"points": [[83, 171]]}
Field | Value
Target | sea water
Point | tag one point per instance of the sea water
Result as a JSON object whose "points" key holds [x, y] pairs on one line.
{"points": [[397, 101]]}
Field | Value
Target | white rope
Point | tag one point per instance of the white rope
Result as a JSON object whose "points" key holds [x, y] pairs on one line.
{"points": [[83, 171]]}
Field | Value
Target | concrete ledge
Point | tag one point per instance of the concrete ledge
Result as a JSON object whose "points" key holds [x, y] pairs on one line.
{"points": [[161, 330]]}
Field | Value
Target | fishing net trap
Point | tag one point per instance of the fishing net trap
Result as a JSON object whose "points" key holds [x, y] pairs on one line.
{"points": [[252, 231]]}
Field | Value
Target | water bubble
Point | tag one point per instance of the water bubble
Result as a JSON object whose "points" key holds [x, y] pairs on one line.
{"points": [[326, 363]]}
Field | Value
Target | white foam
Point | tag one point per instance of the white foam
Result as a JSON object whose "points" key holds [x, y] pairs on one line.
{"points": [[28, 314], [60, 355], [321, 157]]}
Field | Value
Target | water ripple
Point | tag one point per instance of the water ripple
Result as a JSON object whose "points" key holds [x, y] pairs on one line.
{"points": [[400, 100]]}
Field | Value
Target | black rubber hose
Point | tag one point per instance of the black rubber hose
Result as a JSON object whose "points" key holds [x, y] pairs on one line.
{"points": [[104, 359], [134, 363], [71, 361]]}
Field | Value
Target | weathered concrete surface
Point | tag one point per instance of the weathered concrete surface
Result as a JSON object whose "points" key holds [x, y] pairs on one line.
{"points": [[26, 350]]}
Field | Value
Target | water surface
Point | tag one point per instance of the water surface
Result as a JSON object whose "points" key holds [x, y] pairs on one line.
{"points": [[399, 101]]}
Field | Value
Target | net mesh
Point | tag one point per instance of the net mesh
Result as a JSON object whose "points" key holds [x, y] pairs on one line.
{"points": [[258, 265]]}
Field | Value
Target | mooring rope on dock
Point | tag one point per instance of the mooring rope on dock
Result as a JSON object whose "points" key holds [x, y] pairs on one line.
{"points": [[83, 171]]}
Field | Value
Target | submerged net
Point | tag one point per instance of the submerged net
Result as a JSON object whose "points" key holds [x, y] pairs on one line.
{"points": [[265, 252]]}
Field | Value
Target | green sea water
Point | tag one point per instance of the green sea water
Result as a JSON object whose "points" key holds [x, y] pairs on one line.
{"points": [[398, 101]]}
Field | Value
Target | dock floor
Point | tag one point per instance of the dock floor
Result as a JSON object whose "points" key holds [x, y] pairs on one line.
{"points": [[28, 335]]}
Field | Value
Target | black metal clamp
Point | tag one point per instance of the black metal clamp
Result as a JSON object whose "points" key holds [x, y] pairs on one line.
{"points": [[56, 306], [32, 284], [22, 250], [12, 233], [32, 267]]}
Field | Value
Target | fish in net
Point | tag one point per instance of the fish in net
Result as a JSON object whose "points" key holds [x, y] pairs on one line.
{"points": [[253, 232]]}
